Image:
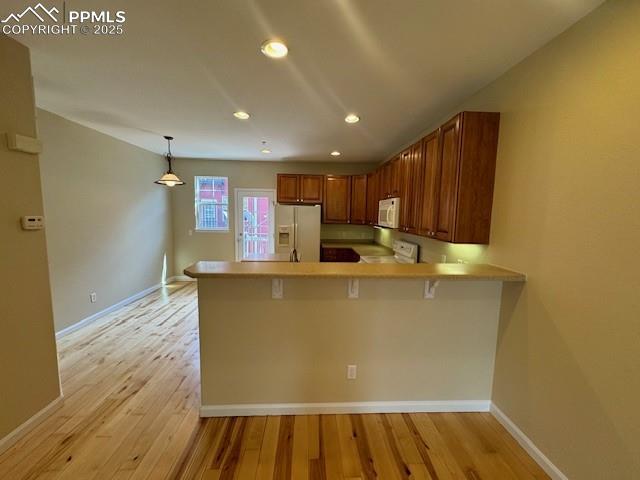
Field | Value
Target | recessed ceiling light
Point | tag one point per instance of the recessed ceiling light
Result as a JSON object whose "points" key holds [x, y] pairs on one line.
{"points": [[335, 153], [274, 49], [241, 115], [265, 151], [352, 118]]}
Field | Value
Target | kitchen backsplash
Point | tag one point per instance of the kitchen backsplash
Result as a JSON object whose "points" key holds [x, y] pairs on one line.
{"points": [[346, 232], [432, 251]]}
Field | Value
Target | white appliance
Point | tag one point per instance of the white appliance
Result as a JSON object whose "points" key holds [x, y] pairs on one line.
{"points": [[389, 212], [298, 232], [403, 252]]}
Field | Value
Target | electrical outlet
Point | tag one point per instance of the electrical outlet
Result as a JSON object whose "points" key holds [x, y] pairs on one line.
{"points": [[352, 372], [443, 259], [93, 297]]}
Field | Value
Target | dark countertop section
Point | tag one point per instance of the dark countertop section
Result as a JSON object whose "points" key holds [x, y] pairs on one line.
{"points": [[361, 247]]}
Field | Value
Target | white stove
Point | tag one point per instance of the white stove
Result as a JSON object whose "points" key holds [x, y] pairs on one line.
{"points": [[403, 252]]}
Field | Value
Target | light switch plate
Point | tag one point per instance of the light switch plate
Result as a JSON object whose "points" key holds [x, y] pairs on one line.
{"points": [[32, 222], [24, 144]]}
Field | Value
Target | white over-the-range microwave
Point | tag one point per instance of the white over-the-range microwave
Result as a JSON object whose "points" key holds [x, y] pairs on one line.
{"points": [[389, 212]]}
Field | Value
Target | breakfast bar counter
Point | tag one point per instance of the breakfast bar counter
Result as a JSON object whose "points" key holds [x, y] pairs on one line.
{"points": [[420, 271], [301, 338]]}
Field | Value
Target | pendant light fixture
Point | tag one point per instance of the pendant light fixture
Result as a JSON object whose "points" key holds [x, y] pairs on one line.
{"points": [[169, 179]]}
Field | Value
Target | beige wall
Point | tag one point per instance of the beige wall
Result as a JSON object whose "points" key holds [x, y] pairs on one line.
{"points": [[190, 248], [28, 360], [567, 213], [258, 350], [108, 224]]}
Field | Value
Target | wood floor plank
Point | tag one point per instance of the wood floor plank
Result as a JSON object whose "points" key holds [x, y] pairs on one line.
{"points": [[131, 412], [364, 450], [348, 448], [413, 461], [267, 461], [331, 448], [382, 455], [300, 452], [284, 450], [251, 452]]}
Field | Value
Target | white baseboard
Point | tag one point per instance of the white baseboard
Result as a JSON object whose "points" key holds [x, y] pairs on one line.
{"points": [[9, 440], [180, 278], [526, 443], [243, 410], [83, 323]]}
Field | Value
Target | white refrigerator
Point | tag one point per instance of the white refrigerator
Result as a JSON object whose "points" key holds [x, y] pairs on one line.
{"points": [[298, 232]]}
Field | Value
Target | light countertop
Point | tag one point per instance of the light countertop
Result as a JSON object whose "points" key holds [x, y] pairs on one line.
{"points": [[434, 271]]}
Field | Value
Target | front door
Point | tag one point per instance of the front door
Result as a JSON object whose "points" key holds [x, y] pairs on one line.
{"points": [[255, 222]]}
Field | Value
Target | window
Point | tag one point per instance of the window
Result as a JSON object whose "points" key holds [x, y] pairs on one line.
{"points": [[212, 203]]}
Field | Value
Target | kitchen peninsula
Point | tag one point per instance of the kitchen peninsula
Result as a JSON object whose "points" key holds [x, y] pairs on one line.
{"points": [[280, 338]]}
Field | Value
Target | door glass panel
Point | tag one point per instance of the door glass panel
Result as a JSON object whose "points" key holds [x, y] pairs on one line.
{"points": [[256, 226]]}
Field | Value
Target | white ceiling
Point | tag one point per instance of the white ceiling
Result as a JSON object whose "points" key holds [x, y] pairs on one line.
{"points": [[183, 67]]}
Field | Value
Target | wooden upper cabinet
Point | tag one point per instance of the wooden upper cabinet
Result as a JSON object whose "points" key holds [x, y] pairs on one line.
{"points": [[337, 199], [384, 181], [447, 176], [476, 176], [311, 189], [396, 177], [404, 187], [414, 174], [428, 168], [464, 177], [359, 199], [373, 197], [444, 181], [288, 188], [300, 189]]}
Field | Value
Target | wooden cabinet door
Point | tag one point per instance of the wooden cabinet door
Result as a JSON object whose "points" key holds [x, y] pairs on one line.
{"points": [[447, 178], [429, 167], [337, 199], [359, 199], [385, 181], [311, 187], [396, 177], [476, 175], [288, 187], [373, 197], [404, 187], [414, 174]]}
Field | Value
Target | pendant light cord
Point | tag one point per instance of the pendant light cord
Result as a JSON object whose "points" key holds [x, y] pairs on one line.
{"points": [[169, 156]]}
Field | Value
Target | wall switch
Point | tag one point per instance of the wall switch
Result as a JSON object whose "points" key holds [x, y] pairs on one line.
{"points": [[93, 297], [32, 222], [190, 232], [22, 143], [352, 371]]}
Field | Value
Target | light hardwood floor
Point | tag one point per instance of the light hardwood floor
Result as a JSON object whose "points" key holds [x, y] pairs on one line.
{"points": [[130, 411]]}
